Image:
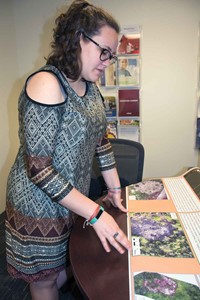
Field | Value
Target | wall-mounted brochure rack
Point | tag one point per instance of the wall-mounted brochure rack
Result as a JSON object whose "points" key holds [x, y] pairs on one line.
{"points": [[120, 86]]}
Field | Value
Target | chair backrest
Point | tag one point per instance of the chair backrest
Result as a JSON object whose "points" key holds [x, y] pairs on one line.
{"points": [[129, 156]]}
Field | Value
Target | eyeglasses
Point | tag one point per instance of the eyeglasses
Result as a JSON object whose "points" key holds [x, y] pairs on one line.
{"points": [[105, 53]]}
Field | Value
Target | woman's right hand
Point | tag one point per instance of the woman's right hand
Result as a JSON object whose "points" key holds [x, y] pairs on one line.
{"points": [[106, 228], [109, 233]]}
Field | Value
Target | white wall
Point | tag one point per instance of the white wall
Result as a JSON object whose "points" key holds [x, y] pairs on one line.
{"points": [[169, 73], [8, 91]]}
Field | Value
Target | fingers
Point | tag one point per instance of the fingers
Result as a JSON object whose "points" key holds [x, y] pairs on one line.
{"points": [[116, 200], [121, 239], [118, 240], [122, 208], [116, 244], [117, 204], [105, 244], [111, 235]]}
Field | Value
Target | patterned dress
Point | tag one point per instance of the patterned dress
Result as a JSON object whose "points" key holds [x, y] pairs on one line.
{"points": [[57, 145]]}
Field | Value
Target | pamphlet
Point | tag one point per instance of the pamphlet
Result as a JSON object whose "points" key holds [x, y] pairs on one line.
{"points": [[128, 71], [110, 106], [129, 129], [128, 102], [112, 128]]}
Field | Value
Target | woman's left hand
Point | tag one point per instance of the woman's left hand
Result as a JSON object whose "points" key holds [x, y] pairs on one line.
{"points": [[115, 199]]}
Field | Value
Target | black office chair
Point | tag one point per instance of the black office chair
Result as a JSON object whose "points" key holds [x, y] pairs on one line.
{"points": [[129, 156]]}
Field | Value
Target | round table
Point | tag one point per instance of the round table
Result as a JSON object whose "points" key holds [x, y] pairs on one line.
{"points": [[98, 274]]}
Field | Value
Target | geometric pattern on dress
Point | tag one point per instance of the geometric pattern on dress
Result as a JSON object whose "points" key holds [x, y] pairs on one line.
{"points": [[29, 199], [41, 226]]}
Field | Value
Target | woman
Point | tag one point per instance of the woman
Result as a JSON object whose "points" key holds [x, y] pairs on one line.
{"points": [[61, 125]]}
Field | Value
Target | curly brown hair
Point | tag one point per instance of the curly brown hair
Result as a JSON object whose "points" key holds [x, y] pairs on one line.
{"points": [[80, 17]]}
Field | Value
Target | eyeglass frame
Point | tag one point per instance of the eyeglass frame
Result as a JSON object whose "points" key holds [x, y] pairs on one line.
{"points": [[112, 58]]}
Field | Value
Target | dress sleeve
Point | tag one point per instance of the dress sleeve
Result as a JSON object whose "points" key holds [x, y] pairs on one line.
{"points": [[105, 155], [41, 124]]}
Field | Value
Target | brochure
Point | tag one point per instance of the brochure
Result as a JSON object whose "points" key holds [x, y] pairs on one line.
{"points": [[128, 71], [128, 102], [112, 128], [108, 77], [129, 42], [129, 129], [110, 106]]}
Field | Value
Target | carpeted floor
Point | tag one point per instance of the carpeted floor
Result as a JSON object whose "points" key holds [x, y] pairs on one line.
{"points": [[16, 289]]}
